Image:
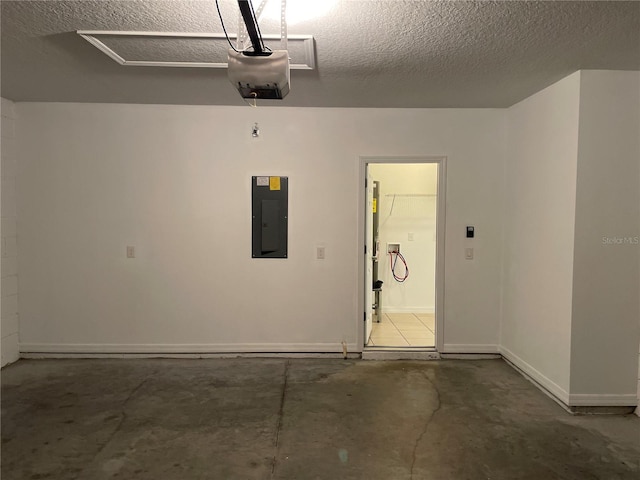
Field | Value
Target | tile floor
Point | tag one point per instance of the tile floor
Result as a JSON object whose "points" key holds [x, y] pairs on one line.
{"points": [[404, 330]]}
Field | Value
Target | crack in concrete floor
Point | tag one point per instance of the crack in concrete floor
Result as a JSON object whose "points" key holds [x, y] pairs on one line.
{"points": [[426, 424], [276, 442], [123, 417]]}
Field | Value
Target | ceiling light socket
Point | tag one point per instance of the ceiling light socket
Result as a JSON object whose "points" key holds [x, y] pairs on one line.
{"points": [[255, 131]]}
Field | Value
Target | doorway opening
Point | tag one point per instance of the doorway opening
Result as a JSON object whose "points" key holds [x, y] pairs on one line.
{"points": [[403, 233]]}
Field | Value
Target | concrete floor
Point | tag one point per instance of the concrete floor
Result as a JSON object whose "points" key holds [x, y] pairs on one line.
{"points": [[299, 419]]}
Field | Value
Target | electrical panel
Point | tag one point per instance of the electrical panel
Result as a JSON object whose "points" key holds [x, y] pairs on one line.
{"points": [[269, 226]]}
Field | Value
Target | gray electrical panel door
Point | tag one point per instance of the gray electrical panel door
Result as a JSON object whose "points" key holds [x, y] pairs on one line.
{"points": [[269, 205]]}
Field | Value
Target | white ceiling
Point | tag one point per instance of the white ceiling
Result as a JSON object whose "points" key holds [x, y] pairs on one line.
{"points": [[369, 53]]}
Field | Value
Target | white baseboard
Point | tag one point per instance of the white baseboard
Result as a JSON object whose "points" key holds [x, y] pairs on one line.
{"points": [[313, 350], [187, 349], [408, 309], [10, 349], [473, 348], [352, 356], [548, 386], [559, 394], [470, 356], [591, 400]]}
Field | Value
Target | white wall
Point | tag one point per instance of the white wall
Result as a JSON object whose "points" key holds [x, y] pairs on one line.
{"points": [[605, 329], [540, 179], [571, 278], [399, 218], [175, 182], [9, 268]]}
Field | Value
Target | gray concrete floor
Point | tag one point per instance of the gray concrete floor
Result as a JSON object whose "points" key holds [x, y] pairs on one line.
{"points": [[299, 419]]}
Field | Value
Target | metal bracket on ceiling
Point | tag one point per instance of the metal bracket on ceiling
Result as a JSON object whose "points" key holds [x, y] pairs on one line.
{"points": [[241, 43]]}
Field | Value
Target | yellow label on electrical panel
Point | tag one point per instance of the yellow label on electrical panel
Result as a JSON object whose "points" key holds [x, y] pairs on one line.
{"points": [[375, 205], [274, 183]]}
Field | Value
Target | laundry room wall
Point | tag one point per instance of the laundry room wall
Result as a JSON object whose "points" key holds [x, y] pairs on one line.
{"points": [[407, 215], [175, 183]]}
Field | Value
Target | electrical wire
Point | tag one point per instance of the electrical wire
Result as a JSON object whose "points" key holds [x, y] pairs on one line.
{"points": [[224, 29], [393, 261]]}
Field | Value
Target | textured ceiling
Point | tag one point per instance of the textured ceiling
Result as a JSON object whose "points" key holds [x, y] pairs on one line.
{"points": [[370, 53]]}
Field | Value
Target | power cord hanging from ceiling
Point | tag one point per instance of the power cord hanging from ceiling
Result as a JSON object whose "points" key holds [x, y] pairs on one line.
{"points": [[248, 24], [393, 258], [223, 27]]}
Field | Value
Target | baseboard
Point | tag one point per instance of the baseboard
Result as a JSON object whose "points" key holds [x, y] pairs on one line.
{"points": [[10, 350], [470, 356], [314, 350], [408, 309], [554, 390], [566, 400], [42, 349], [36, 356], [472, 348], [591, 400]]}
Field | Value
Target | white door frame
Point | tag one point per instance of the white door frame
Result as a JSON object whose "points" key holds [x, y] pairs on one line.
{"points": [[368, 258], [441, 161]]}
